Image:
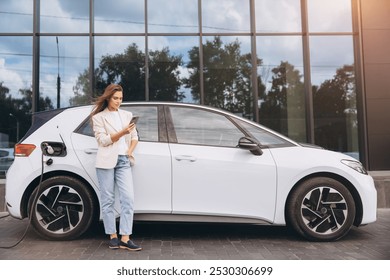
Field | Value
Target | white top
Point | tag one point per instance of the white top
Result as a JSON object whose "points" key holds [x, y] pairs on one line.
{"points": [[118, 124]]}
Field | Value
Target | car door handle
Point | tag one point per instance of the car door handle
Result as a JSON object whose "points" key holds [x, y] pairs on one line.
{"points": [[185, 157], [90, 151]]}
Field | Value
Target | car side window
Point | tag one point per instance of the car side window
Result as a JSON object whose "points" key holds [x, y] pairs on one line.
{"points": [[147, 124], [201, 127], [264, 137]]}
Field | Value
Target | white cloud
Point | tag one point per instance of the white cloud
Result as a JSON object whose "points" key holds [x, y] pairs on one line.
{"points": [[278, 16], [226, 16], [330, 15], [55, 18], [12, 79]]}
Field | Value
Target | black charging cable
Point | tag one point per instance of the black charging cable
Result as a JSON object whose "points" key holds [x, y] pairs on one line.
{"points": [[31, 210]]}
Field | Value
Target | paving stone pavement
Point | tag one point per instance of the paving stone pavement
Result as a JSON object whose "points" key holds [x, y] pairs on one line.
{"points": [[173, 241]]}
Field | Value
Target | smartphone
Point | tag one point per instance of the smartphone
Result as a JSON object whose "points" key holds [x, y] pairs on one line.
{"points": [[134, 120]]}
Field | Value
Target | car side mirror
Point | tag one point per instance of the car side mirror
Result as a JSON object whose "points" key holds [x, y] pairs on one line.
{"points": [[248, 143]]}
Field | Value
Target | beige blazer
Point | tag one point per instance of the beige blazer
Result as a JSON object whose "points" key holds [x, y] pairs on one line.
{"points": [[103, 126]]}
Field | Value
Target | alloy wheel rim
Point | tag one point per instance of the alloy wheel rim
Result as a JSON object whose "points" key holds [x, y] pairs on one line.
{"points": [[324, 210], [59, 209]]}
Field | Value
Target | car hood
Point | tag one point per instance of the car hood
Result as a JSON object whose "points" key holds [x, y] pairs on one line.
{"points": [[311, 159]]}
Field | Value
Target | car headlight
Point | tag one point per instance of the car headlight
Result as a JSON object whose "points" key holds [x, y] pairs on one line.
{"points": [[355, 165]]}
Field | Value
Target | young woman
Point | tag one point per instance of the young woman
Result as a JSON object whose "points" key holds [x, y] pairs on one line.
{"points": [[117, 139]]}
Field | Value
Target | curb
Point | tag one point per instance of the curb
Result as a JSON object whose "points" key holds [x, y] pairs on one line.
{"points": [[3, 214]]}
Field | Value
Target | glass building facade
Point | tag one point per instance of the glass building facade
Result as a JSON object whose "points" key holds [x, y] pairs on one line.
{"points": [[291, 65]]}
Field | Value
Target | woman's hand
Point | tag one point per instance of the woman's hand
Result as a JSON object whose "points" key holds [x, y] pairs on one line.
{"points": [[128, 128], [115, 137], [133, 144], [131, 159]]}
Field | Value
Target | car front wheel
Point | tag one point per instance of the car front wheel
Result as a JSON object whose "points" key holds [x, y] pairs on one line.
{"points": [[61, 208], [321, 209]]}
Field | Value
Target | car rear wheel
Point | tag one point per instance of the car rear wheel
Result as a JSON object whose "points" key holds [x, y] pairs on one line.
{"points": [[62, 208], [321, 209]]}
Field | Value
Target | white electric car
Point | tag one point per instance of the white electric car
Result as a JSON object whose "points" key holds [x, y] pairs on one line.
{"points": [[193, 164]]}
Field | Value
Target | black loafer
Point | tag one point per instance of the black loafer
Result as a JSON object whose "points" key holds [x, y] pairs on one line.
{"points": [[130, 245], [114, 243]]}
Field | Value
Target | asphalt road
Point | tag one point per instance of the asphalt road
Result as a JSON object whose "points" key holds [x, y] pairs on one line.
{"points": [[168, 241]]}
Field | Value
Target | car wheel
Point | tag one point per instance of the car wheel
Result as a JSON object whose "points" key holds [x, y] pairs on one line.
{"points": [[321, 209], [61, 208]]}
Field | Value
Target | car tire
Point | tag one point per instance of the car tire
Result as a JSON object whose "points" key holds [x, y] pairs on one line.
{"points": [[321, 209], [61, 208]]}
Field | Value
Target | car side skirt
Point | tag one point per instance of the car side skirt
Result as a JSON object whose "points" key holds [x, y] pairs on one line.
{"points": [[197, 218]]}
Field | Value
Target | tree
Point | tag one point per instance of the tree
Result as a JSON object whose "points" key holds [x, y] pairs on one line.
{"points": [[227, 76], [14, 110], [283, 106], [82, 90], [164, 79], [128, 70], [335, 116]]}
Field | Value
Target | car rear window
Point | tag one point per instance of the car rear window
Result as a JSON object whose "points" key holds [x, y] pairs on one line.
{"points": [[147, 125]]}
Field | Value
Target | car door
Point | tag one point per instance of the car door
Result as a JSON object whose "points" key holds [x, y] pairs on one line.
{"points": [[152, 170], [211, 175]]}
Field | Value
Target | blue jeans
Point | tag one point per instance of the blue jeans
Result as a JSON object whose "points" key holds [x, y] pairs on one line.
{"points": [[121, 178]]}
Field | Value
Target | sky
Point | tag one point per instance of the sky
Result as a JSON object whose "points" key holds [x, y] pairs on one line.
{"points": [[70, 57]]}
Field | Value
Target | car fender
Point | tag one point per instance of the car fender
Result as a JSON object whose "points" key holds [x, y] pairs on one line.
{"points": [[318, 162]]}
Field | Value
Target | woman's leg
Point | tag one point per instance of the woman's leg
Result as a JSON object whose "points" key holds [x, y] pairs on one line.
{"points": [[124, 182], [107, 199]]}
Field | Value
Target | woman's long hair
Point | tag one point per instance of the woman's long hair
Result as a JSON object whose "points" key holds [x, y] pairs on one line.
{"points": [[101, 102]]}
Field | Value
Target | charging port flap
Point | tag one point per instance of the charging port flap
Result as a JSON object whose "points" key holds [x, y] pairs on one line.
{"points": [[53, 149]]}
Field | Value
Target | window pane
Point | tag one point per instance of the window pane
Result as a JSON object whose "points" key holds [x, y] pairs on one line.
{"points": [[334, 93], [178, 16], [65, 60], [282, 95], [330, 15], [71, 16], [168, 72], [201, 127], [16, 63], [147, 124], [227, 74], [15, 89], [121, 60], [223, 16], [16, 16], [278, 16], [115, 16]]}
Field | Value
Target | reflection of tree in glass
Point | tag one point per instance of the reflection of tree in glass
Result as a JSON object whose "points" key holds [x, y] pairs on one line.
{"points": [[227, 76], [228, 85], [164, 76], [335, 110], [128, 70], [20, 108], [284, 102]]}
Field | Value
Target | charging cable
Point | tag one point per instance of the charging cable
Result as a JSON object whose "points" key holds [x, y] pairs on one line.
{"points": [[32, 206]]}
